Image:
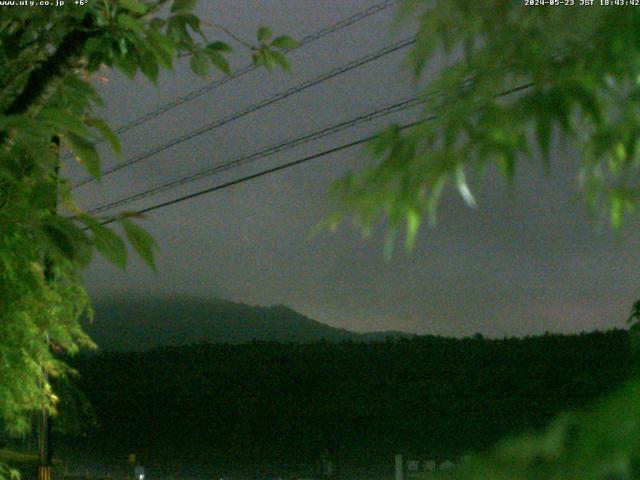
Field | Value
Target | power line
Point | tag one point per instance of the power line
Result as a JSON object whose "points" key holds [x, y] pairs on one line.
{"points": [[267, 171], [318, 134], [323, 32], [317, 35], [280, 147], [305, 159], [250, 67], [255, 107]]}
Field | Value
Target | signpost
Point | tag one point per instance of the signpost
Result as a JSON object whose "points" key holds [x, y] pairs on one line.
{"points": [[414, 467]]}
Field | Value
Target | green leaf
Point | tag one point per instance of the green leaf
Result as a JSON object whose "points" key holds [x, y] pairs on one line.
{"points": [[281, 59], [200, 64], [149, 66], [83, 89], [177, 30], [44, 195], [507, 165], [130, 23], [285, 42], [59, 240], [164, 48], [413, 225], [63, 121], [267, 59], [385, 140], [264, 34], [98, 53], [192, 21], [183, 6], [616, 210], [157, 23], [67, 239], [588, 101], [141, 241], [219, 61], [107, 242], [134, 6], [85, 151], [218, 47], [108, 134], [128, 64]]}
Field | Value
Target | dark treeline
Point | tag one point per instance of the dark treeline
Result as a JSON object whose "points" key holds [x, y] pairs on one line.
{"points": [[274, 402]]}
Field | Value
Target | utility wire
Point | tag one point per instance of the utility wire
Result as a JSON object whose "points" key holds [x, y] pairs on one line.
{"points": [[283, 146], [341, 24], [268, 171], [305, 159], [317, 35], [250, 67], [280, 147], [255, 107]]}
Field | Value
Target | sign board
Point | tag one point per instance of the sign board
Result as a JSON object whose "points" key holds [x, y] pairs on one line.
{"points": [[414, 468]]}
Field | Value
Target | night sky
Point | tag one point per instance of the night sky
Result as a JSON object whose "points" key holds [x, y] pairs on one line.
{"points": [[526, 261]]}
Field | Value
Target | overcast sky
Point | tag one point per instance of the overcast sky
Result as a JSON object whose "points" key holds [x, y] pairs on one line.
{"points": [[523, 262]]}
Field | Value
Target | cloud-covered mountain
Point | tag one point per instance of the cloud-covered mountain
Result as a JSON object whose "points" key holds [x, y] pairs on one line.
{"points": [[140, 323]]}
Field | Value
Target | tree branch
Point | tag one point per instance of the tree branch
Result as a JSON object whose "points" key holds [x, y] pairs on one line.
{"points": [[69, 49], [231, 34]]}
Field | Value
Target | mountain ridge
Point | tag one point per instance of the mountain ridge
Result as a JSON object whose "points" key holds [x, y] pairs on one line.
{"points": [[137, 323]]}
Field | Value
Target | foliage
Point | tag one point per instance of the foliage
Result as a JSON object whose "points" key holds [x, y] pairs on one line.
{"points": [[515, 80], [511, 81], [49, 57], [601, 443], [18, 463], [8, 457], [8, 472]]}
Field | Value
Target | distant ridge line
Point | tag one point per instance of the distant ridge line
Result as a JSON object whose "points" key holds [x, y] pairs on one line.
{"points": [[143, 323]]}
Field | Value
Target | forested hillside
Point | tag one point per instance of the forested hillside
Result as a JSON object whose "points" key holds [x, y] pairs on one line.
{"points": [[132, 323], [288, 402]]}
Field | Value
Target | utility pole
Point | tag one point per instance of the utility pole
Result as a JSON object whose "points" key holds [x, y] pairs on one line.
{"points": [[44, 450], [44, 430]]}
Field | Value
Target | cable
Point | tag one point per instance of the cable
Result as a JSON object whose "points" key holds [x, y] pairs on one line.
{"points": [[280, 147], [255, 107], [295, 162], [379, 7], [266, 172], [323, 132]]}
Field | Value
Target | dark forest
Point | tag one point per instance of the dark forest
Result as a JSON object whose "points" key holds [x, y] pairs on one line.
{"points": [[285, 403]]}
